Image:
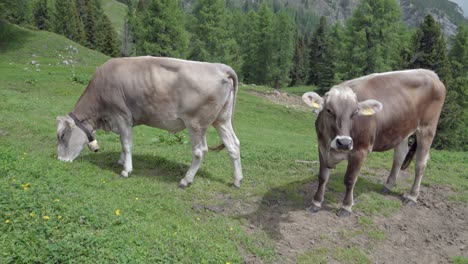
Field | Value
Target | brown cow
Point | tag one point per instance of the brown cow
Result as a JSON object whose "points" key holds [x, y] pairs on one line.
{"points": [[377, 112], [166, 93]]}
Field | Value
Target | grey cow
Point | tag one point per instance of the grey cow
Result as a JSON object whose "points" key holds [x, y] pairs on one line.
{"points": [[377, 112], [165, 93]]}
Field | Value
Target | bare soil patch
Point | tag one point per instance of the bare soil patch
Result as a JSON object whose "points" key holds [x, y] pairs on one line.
{"points": [[281, 98]]}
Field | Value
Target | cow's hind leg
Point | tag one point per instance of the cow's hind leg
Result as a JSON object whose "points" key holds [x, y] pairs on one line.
{"points": [[399, 155], [126, 156], [199, 149], [424, 137], [230, 140]]}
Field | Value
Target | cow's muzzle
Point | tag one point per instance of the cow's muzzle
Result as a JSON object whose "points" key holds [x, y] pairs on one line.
{"points": [[93, 146], [342, 143]]}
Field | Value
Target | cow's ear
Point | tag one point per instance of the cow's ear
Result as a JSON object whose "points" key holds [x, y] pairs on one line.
{"points": [[313, 100], [369, 107]]}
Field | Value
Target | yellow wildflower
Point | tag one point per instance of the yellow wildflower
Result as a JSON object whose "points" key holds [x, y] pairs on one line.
{"points": [[7, 221], [32, 214], [46, 217], [57, 200], [25, 186], [198, 219], [117, 212], [136, 198], [59, 217]]}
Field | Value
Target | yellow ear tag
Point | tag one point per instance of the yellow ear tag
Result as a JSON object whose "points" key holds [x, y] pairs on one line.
{"points": [[367, 111], [315, 105]]}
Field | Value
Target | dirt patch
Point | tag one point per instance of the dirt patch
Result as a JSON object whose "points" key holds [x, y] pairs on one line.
{"points": [[430, 232], [281, 98]]}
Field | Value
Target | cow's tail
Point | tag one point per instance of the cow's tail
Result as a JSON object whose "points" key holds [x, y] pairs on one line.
{"points": [[233, 76], [409, 157]]}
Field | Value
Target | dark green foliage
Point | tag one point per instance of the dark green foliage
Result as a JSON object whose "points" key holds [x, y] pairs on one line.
{"points": [[67, 21], [429, 49], [41, 15], [211, 38], [16, 11], [373, 36], [321, 56], [300, 62], [160, 30], [283, 49], [107, 40]]}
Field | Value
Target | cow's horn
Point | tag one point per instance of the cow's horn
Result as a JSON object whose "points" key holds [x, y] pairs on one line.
{"points": [[93, 146]]}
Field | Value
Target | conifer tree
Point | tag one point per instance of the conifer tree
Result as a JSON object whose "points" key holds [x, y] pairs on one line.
{"points": [[300, 62], [283, 49], [211, 38], [67, 21], [373, 37], [321, 67], [41, 15], [107, 41], [162, 30]]}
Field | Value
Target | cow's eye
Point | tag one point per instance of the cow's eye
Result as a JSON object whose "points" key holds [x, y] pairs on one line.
{"points": [[329, 111]]}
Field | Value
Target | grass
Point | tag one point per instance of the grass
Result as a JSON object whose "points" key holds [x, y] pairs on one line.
{"points": [[84, 211]]}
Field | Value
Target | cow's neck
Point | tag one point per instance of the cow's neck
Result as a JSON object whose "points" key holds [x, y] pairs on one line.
{"points": [[87, 113]]}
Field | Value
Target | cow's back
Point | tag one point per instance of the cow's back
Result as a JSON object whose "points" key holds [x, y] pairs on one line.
{"points": [[161, 92], [410, 99]]}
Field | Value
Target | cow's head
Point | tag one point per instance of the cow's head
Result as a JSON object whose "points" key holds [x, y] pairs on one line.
{"points": [[337, 111], [71, 139]]}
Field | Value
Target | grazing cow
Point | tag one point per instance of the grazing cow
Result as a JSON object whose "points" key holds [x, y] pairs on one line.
{"points": [[165, 93], [377, 112]]}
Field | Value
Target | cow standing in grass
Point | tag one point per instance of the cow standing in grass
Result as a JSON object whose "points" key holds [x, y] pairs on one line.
{"points": [[165, 93], [377, 112]]}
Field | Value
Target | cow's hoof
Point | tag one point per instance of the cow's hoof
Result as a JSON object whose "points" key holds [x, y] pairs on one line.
{"points": [[343, 213], [385, 190], [237, 184], [125, 174], [313, 209], [184, 184], [408, 201]]}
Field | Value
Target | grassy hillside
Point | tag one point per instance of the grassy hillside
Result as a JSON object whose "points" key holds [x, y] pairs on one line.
{"points": [[84, 212]]}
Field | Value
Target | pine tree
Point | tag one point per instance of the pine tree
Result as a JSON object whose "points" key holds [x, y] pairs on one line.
{"points": [[67, 22], [210, 35], [162, 30], [107, 42], [321, 68], [259, 56], [430, 51], [300, 63], [374, 35], [283, 49], [41, 15]]}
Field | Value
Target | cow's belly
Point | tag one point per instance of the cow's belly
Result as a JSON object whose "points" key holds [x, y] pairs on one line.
{"points": [[171, 125]]}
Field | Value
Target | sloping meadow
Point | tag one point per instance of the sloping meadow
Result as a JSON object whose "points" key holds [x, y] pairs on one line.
{"points": [[51, 211]]}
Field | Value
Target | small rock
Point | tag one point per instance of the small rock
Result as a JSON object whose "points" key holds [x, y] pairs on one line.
{"points": [[33, 62]]}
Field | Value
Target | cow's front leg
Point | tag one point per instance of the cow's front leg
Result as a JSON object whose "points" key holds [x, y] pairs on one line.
{"points": [[354, 165], [126, 156], [199, 149], [323, 177]]}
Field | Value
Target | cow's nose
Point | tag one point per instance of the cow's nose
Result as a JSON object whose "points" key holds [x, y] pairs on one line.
{"points": [[345, 143]]}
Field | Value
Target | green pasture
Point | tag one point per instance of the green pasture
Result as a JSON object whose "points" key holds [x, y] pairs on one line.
{"points": [[83, 212]]}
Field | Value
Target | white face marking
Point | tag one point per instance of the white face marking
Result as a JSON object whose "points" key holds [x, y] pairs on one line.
{"points": [[342, 92]]}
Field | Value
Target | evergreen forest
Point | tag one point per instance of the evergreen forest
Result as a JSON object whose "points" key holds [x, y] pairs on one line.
{"points": [[268, 43]]}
